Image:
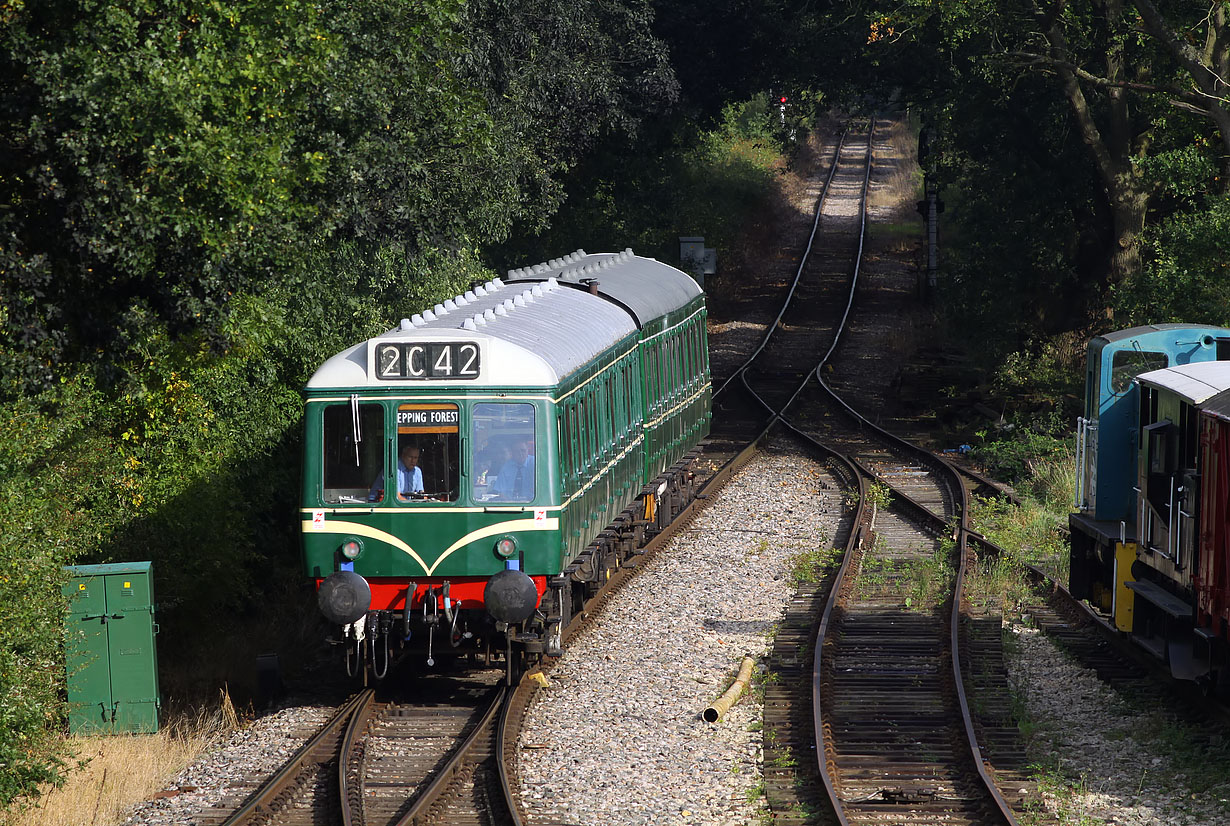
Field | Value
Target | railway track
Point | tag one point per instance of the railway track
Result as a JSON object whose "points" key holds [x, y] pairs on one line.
{"points": [[892, 724], [381, 761]]}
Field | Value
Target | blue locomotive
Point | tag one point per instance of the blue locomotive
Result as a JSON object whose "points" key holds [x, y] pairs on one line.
{"points": [[1145, 538]]}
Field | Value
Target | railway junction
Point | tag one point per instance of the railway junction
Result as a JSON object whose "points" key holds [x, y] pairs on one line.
{"points": [[816, 540]]}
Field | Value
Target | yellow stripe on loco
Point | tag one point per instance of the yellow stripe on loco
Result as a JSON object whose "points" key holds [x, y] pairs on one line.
{"points": [[334, 526], [347, 528], [498, 528]]}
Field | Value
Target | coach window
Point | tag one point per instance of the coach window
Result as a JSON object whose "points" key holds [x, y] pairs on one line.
{"points": [[505, 438], [353, 441], [574, 441]]}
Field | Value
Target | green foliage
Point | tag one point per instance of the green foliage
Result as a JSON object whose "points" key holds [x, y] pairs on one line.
{"points": [[192, 462], [166, 157], [672, 181], [1188, 268], [879, 494], [1030, 534], [813, 564], [1017, 451]]}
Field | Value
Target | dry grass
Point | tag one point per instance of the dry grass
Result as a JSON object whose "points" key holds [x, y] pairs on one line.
{"points": [[902, 186], [120, 771]]}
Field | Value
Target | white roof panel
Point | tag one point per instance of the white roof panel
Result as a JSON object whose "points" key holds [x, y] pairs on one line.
{"points": [[647, 287], [1194, 383], [528, 336]]}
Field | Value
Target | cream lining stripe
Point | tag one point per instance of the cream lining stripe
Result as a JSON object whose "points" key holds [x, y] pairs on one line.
{"points": [[361, 508], [338, 527], [674, 326], [675, 409]]}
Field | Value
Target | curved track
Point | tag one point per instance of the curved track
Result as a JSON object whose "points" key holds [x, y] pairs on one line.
{"points": [[382, 762], [892, 721]]}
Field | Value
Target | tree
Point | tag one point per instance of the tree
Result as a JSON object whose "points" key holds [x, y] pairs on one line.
{"points": [[1130, 82]]}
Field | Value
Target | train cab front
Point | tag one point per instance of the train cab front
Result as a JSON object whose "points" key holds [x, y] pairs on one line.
{"points": [[422, 525]]}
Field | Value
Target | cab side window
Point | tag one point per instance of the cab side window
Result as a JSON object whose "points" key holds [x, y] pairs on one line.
{"points": [[353, 443]]}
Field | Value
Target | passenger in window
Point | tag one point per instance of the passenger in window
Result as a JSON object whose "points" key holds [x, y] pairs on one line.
{"points": [[409, 476], [516, 479]]}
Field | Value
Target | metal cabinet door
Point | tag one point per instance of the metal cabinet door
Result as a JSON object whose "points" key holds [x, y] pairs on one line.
{"points": [[88, 678], [130, 644]]}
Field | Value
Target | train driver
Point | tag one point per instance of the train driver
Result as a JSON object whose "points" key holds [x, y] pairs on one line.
{"points": [[409, 476]]}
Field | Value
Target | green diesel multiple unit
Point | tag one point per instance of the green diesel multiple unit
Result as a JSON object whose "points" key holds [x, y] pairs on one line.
{"points": [[481, 467]]}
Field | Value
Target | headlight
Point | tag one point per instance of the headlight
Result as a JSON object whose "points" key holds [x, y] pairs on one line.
{"points": [[505, 547], [351, 549]]}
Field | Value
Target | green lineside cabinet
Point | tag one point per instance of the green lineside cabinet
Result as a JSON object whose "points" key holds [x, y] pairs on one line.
{"points": [[111, 660]]}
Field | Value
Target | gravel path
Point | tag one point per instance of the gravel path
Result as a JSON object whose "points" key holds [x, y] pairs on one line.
{"points": [[1109, 761], [617, 738]]}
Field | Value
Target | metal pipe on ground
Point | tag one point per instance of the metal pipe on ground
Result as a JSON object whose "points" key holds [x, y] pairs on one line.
{"points": [[722, 704]]}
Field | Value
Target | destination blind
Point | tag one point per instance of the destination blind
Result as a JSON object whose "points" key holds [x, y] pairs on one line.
{"points": [[426, 360], [427, 418]]}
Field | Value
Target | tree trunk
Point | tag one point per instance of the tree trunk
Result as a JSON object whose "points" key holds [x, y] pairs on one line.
{"points": [[1112, 144], [1128, 207]]}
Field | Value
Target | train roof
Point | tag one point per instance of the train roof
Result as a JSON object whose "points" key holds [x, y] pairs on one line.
{"points": [[648, 288], [1218, 407], [1137, 332], [1194, 383], [532, 330]]}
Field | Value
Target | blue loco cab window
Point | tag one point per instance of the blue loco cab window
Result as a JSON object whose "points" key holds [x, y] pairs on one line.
{"points": [[503, 452]]}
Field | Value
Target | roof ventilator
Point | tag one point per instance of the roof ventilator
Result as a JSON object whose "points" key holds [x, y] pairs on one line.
{"points": [[428, 315], [405, 325]]}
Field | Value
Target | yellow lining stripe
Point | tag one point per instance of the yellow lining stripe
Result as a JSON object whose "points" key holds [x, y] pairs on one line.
{"points": [[448, 394], [675, 325], [593, 480], [339, 528], [675, 409], [596, 376]]}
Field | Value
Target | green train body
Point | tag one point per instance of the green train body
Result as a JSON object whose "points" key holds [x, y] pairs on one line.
{"points": [[477, 470]]}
